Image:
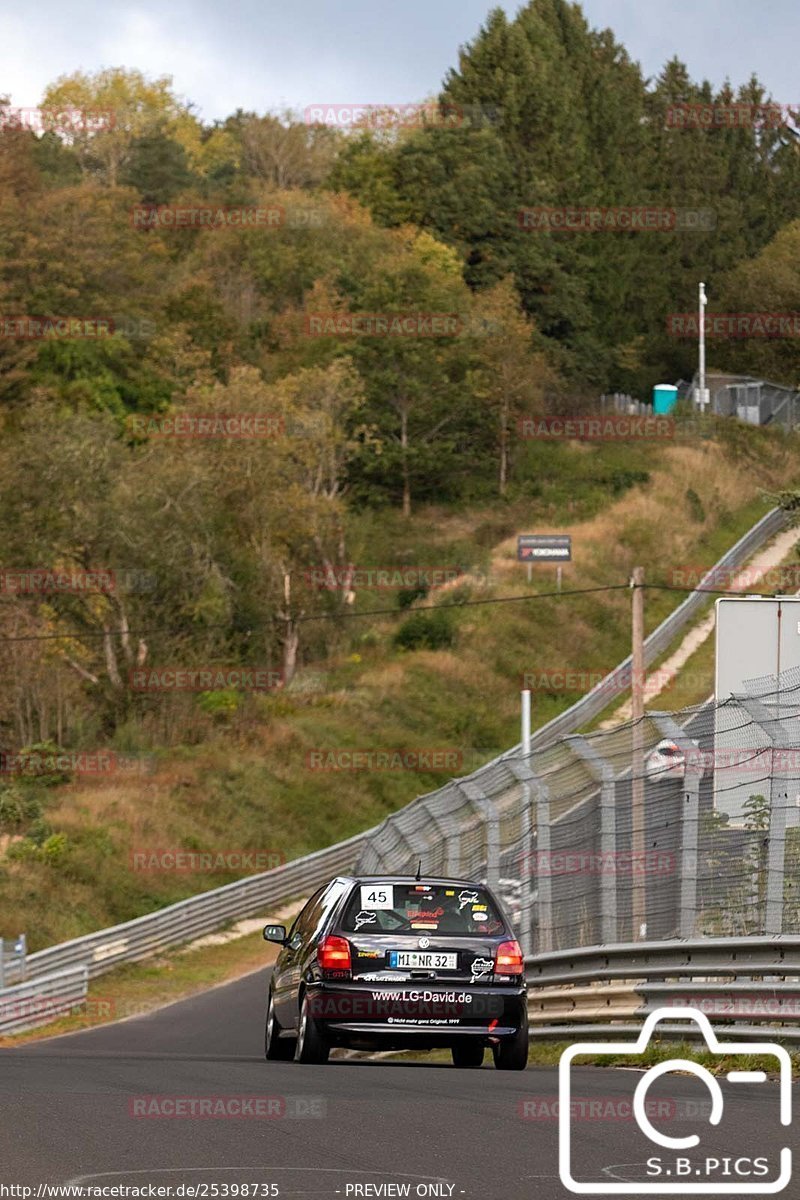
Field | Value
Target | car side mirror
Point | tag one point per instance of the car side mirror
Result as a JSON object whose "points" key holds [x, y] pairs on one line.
{"points": [[275, 933]]}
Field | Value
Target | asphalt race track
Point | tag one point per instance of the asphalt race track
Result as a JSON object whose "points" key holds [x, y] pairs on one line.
{"points": [[68, 1105]]}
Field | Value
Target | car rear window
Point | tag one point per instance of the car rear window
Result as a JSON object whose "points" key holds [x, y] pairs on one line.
{"points": [[421, 908]]}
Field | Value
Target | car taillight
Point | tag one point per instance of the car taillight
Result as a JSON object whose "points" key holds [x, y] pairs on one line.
{"points": [[333, 954], [508, 960]]}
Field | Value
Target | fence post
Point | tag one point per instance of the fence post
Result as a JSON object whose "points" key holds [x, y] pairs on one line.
{"points": [[603, 772], [780, 737], [544, 885], [522, 771], [776, 856], [487, 806], [690, 820]]}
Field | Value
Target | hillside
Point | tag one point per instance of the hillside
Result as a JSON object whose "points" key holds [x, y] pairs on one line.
{"points": [[239, 776]]}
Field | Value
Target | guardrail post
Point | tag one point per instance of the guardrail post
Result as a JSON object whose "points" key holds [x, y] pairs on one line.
{"points": [[21, 950], [690, 820], [603, 772]]}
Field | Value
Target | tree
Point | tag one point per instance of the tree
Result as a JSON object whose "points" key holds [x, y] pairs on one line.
{"points": [[121, 106], [510, 377], [285, 153]]}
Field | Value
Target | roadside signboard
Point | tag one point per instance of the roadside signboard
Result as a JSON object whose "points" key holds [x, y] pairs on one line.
{"points": [[544, 547]]}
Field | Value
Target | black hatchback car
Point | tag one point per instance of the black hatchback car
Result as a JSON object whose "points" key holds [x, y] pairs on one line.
{"points": [[381, 963]]}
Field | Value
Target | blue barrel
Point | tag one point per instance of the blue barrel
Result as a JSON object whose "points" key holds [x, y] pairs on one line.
{"points": [[665, 397]]}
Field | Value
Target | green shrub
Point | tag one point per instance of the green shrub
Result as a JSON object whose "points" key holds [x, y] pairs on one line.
{"points": [[219, 705], [696, 510], [426, 631], [407, 596], [17, 808], [40, 762]]}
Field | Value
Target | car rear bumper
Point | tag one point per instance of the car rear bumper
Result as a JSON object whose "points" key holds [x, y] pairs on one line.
{"points": [[408, 1014]]}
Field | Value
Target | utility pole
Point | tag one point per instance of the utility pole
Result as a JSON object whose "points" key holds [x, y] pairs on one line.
{"points": [[701, 365], [638, 878]]}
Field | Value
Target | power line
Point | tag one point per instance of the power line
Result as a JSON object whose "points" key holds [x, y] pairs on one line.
{"points": [[372, 612]]}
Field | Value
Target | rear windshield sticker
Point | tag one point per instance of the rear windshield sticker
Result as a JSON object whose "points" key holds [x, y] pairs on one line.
{"points": [[480, 916], [426, 915], [466, 898], [384, 977], [377, 895], [365, 918]]}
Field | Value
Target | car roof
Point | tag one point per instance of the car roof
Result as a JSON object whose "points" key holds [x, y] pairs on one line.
{"points": [[387, 877]]}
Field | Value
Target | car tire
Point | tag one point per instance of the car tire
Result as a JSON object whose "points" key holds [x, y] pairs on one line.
{"points": [[311, 1045], [276, 1048], [467, 1054], [511, 1054]]}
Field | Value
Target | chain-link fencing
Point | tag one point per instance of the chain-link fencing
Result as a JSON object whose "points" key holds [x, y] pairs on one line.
{"points": [[682, 825]]}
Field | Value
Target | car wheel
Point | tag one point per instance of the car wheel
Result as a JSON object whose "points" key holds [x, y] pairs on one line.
{"points": [[311, 1045], [276, 1048], [511, 1054], [467, 1054]]}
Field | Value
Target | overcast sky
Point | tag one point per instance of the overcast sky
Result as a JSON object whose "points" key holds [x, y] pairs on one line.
{"points": [[265, 54]]}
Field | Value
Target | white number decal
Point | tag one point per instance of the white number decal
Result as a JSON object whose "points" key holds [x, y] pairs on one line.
{"points": [[377, 896]]}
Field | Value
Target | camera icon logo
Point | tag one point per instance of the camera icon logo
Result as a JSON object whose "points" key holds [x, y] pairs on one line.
{"points": [[697, 1176]]}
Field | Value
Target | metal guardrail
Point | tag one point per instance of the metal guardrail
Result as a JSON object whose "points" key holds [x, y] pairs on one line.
{"points": [[35, 1003], [189, 919], [179, 923], [748, 986]]}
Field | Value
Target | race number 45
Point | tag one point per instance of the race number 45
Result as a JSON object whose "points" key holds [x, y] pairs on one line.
{"points": [[373, 896]]}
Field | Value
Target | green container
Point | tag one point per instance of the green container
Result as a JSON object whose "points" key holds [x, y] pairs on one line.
{"points": [[665, 397]]}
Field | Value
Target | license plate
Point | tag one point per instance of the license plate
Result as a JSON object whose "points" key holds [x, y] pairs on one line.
{"points": [[423, 960]]}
